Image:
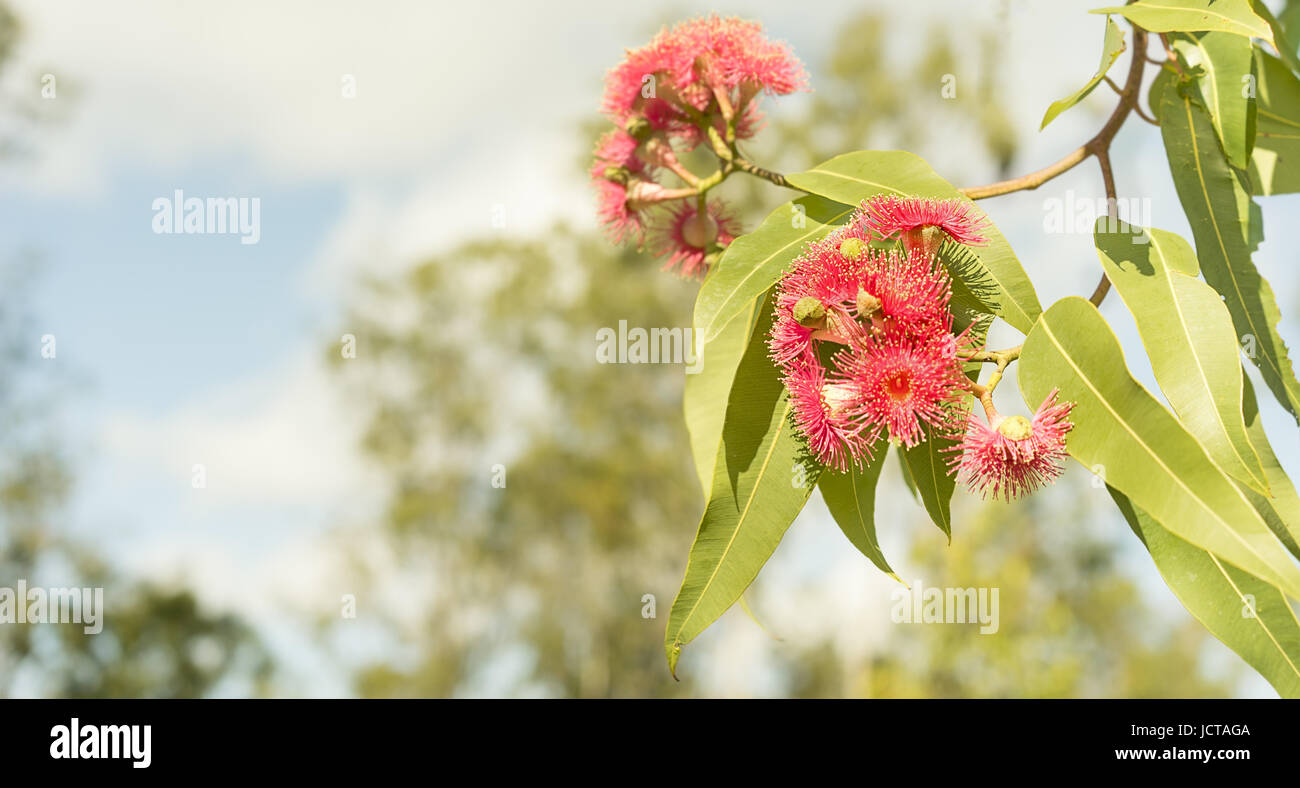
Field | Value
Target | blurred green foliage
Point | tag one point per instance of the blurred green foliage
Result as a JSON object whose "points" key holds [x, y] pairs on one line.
{"points": [[1071, 623], [155, 642]]}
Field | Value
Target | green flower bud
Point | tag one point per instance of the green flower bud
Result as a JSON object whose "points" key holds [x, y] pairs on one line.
{"points": [[619, 175], [809, 312], [639, 128]]}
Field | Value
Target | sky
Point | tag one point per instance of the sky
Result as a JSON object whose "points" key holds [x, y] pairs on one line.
{"points": [[199, 349]]}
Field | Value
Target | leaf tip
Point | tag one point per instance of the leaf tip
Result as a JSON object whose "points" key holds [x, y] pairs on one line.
{"points": [[674, 650]]}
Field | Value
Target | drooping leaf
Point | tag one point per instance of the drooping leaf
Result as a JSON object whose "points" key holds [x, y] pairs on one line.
{"points": [[1227, 226], [1123, 433], [1275, 162], [1226, 81], [749, 611], [704, 398], [1289, 21], [1164, 78], [851, 499], [1194, 16], [1286, 43], [1281, 510], [854, 177], [1250, 616], [908, 482], [1112, 47], [1188, 336], [927, 463], [756, 260], [762, 478]]}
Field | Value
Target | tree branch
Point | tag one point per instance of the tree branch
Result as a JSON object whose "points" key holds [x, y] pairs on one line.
{"points": [[1128, 99], [749, 167], [1112, 210]]}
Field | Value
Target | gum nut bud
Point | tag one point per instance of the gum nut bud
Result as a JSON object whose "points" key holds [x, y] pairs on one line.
{"points": [[867, 303], [700, 231], [809, 312], [617, 174], [638, 128], [1017, 428], [927, 239], [852, 248], [641, 194]]}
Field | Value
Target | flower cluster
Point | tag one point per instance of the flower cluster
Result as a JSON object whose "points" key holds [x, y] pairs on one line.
{"points": [[864, 340], [863, 335], [697, 82]]}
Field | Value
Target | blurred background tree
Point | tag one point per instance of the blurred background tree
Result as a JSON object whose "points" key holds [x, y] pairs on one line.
{"points": [[156, 641], [483, 359], [1071, 622]]}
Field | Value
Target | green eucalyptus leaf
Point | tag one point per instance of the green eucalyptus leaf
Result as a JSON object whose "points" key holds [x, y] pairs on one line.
{"points": [[1123, 434], [906, 472], [755, 261], [1289, 21], [708, 382], [1250, 616], [1281, 509], [1227, 226], [1194, 16], [1188, 336], [851, 499], [1227, 81], [1112, 47], [1286, 43], [1275, 162], [927, 464], [762, 478]]}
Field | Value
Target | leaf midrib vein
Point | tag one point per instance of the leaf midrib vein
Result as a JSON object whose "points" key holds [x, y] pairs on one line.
{"points": [[1200, 368], [1214, 222], [1202, 11], [1255, 614], [739, 520], [1084, 378]]}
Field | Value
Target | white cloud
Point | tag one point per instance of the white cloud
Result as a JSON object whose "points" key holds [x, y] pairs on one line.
{"points": [[161, 83], [276, 440]]}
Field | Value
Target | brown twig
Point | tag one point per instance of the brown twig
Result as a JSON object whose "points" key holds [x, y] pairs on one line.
{"points": [[749, 167], [1112, 210], [1100, 142], [1141, 113]]}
